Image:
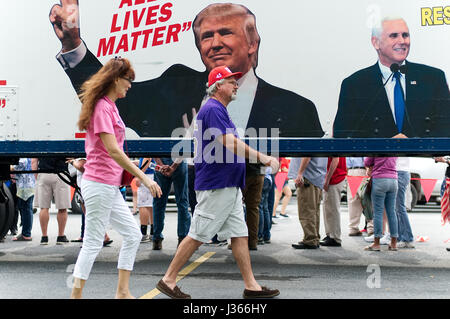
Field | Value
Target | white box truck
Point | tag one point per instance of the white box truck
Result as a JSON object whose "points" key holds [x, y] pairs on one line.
{"points": [[295, 56]]}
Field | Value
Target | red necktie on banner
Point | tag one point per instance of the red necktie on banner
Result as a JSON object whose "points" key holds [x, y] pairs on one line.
{"points": [[354, 182], [427, 187], [280, 178]]}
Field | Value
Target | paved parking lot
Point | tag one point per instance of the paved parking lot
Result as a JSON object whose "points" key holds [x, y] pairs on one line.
{"points": [[31, 271]]}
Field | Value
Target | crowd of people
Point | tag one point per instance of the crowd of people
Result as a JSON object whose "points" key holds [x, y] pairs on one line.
{"points": [[380, 198], [319, 183], [234, 199]]}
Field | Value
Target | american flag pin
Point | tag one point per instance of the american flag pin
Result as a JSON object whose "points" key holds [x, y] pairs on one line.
{"points": [[413, 82]]}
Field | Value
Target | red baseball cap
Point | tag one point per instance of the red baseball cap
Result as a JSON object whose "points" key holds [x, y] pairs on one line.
{"points": [[221, 72]]}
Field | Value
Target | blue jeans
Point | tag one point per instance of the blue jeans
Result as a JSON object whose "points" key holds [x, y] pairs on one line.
{"points": [[271, 198], [264, 212], [404, 227], [26, 214], [179, 179], [384, 194]]}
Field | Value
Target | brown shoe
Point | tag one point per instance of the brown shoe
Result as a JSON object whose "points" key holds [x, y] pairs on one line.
{"points": [[157, 244], [264, 293], [358, 233], [176, 293]]}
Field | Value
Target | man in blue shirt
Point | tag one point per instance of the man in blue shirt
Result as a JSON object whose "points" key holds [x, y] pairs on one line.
{"points": [[309, 175], [220, 176], [25, 194]]}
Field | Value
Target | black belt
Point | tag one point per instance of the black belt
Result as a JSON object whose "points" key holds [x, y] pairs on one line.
{"points": [[357, 168]]}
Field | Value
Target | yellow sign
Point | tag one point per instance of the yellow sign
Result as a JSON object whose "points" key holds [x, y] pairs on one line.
{"points": [[435, 16]]}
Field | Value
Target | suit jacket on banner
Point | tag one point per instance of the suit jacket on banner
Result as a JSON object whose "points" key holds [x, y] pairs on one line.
{"points": [[156, 107], [364, 110]]}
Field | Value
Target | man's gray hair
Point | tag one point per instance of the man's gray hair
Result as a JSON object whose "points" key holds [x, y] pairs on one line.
{"points": [[377, 28], [211, 90]]}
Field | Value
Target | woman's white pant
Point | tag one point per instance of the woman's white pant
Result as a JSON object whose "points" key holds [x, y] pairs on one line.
{"points": [[105, 204]]}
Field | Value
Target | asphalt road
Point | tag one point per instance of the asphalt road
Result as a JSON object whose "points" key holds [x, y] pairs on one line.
{"points": [[31, 271]]}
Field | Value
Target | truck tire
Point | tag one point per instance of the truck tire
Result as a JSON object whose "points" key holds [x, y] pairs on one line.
{"points": [[7, 209], [2, 216], [76, 207], [414, 196]]}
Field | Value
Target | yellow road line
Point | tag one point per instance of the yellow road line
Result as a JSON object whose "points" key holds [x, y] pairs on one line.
{"points": [[183, 273]]}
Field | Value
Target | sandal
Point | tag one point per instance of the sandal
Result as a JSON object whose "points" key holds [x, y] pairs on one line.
{"points": [[21, 238], [392, 248], [371, 248]]}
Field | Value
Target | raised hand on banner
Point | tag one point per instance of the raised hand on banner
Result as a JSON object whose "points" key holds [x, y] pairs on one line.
{"points": [[66, 23], [185, 120]]}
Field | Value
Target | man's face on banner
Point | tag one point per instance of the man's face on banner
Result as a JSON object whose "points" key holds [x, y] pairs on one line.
{"points": [[224, 42], [394, 42]]}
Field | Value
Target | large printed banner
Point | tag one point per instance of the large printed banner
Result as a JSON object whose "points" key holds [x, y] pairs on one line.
{"points": [[322, 68]]}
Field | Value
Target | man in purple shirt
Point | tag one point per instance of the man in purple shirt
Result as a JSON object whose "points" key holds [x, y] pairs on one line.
{"points": [[219, 177]]}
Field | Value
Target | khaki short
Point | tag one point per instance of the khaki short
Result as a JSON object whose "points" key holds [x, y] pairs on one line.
{"points": [[218, 211], [48, 187]]}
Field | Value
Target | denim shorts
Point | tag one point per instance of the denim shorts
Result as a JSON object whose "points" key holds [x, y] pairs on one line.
{"points": [[218, 211]]}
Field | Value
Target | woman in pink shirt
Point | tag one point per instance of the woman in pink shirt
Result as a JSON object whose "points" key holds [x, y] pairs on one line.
{"points": [[383, 171], [105, 164]]}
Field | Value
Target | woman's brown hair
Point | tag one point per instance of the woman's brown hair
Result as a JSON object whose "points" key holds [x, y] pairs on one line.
{"points": [[99, 84]]}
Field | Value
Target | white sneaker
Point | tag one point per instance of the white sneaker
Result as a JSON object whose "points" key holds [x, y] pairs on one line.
{"points": [[405, 244], [385, 240], [370, 239], [145, 239]]}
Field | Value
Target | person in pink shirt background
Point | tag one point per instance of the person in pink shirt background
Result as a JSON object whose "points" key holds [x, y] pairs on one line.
{"points": [[105, 164], [383, 171]]}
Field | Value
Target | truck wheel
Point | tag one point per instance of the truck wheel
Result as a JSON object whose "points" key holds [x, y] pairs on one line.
{"points": [[2, 216], [6, 209], [414, 196], [76, 207]]}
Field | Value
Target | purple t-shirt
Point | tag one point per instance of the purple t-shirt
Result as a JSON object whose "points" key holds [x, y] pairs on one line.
{"points": [[215, 166], [383, 167]]}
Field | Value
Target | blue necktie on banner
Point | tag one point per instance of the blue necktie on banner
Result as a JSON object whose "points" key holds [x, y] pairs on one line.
{"points": [[399, 102]]}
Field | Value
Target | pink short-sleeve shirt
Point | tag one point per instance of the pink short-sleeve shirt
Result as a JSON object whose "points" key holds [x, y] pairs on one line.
{"points": [[100, 167]]}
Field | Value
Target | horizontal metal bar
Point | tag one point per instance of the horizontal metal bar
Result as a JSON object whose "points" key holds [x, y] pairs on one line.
{"points": [[282, 147]]}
